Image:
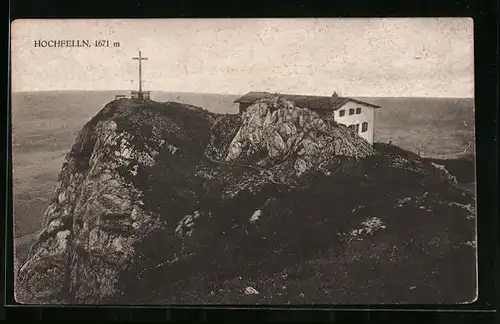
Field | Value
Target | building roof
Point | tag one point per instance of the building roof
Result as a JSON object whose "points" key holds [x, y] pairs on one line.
{"points": [[311, 102]]}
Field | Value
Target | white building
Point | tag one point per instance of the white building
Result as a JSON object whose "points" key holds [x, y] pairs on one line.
{"points": [[356, 114]]}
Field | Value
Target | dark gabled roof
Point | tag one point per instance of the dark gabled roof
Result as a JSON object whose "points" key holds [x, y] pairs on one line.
{"points": [[311, 102]]}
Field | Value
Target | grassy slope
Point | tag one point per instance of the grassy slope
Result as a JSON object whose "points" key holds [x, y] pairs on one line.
{"points": [[295, 256], [462, 168]]}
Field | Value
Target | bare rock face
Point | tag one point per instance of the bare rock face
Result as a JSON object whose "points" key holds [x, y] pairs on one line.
{"points": [[99, 213], [274, 130]]}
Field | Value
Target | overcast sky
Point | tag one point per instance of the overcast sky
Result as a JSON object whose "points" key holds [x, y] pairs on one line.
{"points": [[357, 57]]}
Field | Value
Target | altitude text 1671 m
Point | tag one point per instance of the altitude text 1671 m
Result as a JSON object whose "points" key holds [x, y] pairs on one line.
{"points": [[75, 43]]}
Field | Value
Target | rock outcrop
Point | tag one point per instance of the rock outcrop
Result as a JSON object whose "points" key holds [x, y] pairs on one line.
{"points": [[274, 130], [100, 211], [152, 195]]}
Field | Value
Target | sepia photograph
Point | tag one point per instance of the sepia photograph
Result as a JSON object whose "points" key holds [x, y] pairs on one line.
{"points": [[311, 161]]}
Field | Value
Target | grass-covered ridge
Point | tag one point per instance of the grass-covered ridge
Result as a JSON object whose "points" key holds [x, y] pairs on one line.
{"points": [[384, 227]]}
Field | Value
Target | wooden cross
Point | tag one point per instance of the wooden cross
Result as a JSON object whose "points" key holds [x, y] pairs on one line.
{"points": [[140, 58]]}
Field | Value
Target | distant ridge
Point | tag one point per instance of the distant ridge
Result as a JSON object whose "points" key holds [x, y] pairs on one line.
{"points": [[236, 94]]}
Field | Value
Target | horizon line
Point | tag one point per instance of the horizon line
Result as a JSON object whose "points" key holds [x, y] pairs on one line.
{"points": [[236, 94]]}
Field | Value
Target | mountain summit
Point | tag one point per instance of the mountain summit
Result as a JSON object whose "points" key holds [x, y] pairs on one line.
{"points": [[168, 203]]}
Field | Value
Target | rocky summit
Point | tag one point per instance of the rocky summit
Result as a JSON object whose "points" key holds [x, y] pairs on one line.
{"points": [[167, 203]]}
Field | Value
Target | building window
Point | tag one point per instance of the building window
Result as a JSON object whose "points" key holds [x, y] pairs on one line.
{"points": [[357, 128], [352, 127], [364, 127], [358, 111], [351, 111], [341, 113]]}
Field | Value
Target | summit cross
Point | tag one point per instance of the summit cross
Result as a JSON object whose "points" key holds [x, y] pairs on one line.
{"points": [[140, 59]]}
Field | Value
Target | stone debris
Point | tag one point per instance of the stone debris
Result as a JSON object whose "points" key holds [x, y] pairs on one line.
{"points": [[445, 172], [251, 291], [255, 216]]}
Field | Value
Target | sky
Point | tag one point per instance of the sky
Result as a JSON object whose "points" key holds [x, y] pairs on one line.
{"points": [[384, 57]]}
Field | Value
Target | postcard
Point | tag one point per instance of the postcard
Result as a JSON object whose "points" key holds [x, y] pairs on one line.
{"points": [[243, 161]]}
